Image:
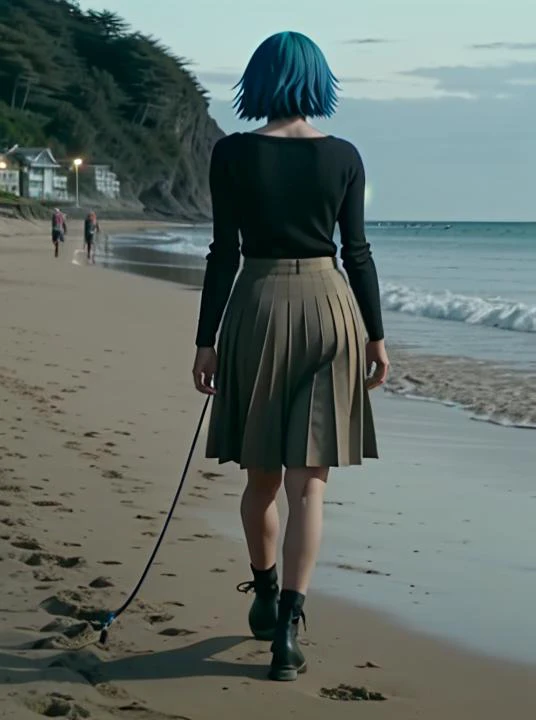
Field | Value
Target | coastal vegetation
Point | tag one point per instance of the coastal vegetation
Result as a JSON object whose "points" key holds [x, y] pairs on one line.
{"points": [[86, 85]]}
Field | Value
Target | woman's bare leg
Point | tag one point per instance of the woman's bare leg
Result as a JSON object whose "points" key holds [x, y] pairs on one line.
{"points": [[305, 492], [260, 517]]}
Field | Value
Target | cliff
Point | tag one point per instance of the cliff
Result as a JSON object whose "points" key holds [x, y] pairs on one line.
{"points": [[87, 86]]}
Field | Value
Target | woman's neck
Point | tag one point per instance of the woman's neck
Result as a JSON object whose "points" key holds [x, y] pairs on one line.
{"points": [[296, 127]]}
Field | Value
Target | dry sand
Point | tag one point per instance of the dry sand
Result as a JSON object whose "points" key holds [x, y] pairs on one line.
{"points": [[97, 411]]}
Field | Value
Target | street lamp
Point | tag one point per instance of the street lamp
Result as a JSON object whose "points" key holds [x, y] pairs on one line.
{"points": [[77, 162]]}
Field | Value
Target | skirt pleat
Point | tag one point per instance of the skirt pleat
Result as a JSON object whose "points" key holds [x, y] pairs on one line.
{"points": [[290, 385]]}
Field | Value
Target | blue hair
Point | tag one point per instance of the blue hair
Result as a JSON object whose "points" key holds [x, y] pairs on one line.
{"points": [[287, 76]]}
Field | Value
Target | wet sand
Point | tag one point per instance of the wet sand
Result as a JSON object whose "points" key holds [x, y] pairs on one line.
{"points": [[97, 416]]}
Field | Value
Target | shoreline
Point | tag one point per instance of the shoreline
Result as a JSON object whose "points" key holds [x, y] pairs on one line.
{"points": [[97, 417], [489, 391]]}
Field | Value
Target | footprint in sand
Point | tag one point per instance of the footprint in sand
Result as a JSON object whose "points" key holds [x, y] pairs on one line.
{"points": [[10, 522], [347, 693], [72, 445], [47, 577], [209, 475], [39, 559], [113, 692], [57, 705], [72, 604], [176, 632], [10, 488], [158, 618], [90, 456], [112, 475], [46, 503], [100, 583], [26, 543]]}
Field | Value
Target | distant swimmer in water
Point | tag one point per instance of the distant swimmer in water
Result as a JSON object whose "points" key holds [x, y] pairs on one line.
{"points": [[59, 230], [91, 229]]}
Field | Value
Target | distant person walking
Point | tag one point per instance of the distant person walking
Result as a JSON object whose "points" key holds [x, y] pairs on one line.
{"points": [[91, 229], [59, 230]]}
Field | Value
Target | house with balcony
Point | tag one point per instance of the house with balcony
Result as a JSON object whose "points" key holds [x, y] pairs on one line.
{"points": [[41, 177], [9, 176]]}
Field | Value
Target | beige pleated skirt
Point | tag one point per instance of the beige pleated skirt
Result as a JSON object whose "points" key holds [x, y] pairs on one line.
{"points": [[290, 385]]}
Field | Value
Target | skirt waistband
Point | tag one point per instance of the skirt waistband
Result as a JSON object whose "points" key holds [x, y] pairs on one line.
{"points": [[286, 266]]}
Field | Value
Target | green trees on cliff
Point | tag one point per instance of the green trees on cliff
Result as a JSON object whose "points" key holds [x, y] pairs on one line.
{"points": [[87, 85]]}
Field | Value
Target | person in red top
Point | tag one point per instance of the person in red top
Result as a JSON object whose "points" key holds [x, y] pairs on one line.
{"points": [[59, 230]]}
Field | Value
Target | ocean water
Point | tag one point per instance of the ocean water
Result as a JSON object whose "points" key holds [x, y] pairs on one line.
{"points": [[463, 289]]}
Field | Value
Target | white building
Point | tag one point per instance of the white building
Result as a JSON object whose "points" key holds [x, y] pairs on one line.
{"points": [[106, 182], [40, 176], [9, 176]]}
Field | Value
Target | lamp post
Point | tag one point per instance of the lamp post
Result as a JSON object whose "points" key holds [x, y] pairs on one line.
{"points": [[77, 162]]}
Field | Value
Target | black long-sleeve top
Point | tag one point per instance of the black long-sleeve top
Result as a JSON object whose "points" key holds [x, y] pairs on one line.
{"points": [[284, 196]]}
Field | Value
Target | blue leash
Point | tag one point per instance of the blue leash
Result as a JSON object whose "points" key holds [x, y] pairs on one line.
{"points": [[105, 626]]}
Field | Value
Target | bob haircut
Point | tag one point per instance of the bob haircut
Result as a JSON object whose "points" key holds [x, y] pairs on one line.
{"points": [[287, 76]]}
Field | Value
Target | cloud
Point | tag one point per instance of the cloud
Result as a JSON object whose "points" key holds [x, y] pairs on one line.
{"points": [[367, 41], [478, 82], [505, 46], [348, 80]]}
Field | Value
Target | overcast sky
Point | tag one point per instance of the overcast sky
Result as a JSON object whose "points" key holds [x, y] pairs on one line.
{"points": [[439, 95]]}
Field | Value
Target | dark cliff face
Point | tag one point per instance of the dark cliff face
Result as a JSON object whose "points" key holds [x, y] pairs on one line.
{"points": [[86, 85], [185, 191]]}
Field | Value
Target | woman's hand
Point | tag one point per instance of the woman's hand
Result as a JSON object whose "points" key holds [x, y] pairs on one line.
{"points": [[376, 355], [204, 370]]}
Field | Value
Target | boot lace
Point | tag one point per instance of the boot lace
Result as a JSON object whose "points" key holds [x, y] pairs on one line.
{"points": [[246, 587]]}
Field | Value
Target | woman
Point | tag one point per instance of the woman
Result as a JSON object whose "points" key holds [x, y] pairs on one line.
{"points": [[290, 378]]}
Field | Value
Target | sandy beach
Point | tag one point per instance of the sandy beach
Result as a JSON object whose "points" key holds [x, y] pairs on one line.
{"points": [[97, 415]]}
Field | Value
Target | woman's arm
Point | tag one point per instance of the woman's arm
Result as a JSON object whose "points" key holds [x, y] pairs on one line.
{"points": [[356, 256], [223, 258]]}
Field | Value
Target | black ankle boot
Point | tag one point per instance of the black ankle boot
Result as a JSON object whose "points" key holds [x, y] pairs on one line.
{"points": [[263, 613], [288, 660]]}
